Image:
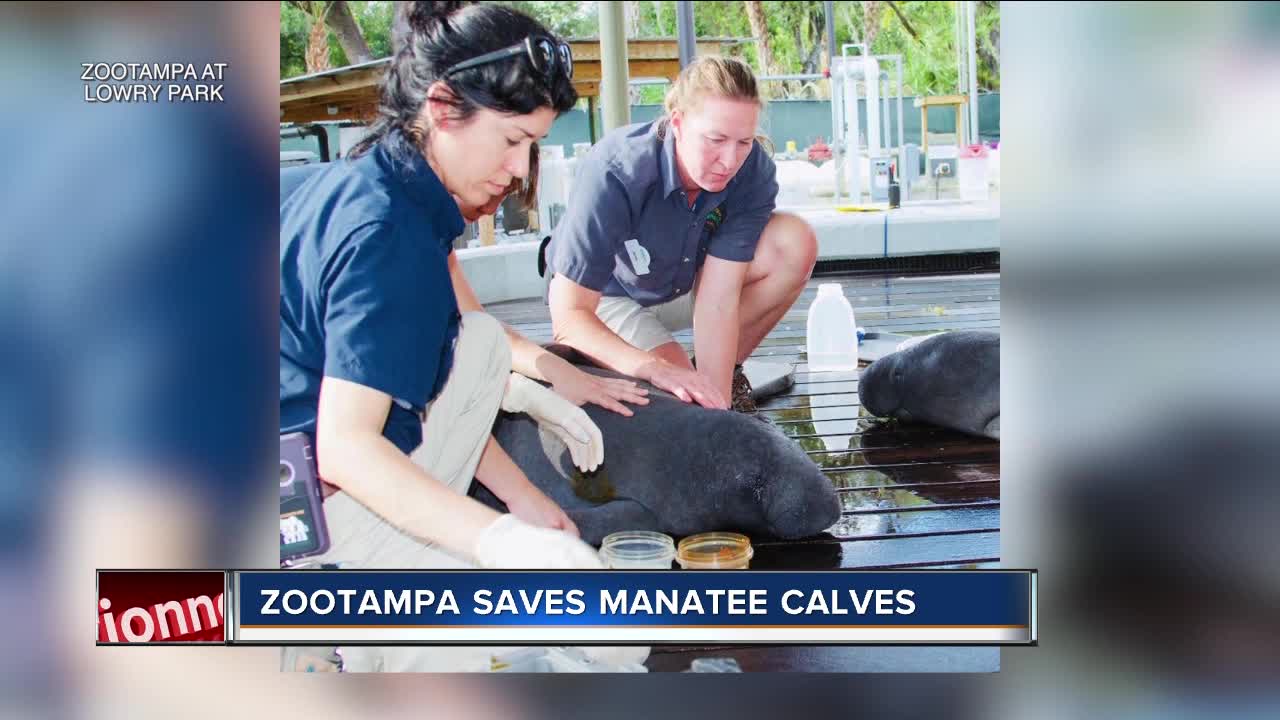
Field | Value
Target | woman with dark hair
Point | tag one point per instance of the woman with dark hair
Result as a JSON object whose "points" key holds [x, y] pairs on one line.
{"points": [[397, 384]]}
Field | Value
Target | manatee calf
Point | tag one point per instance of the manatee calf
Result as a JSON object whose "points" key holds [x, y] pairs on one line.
{"points": [[676, 468], [951, 379]]}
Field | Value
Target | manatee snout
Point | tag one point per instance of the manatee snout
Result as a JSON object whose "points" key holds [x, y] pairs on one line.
{"points": [[801, 501], [878, 386]]}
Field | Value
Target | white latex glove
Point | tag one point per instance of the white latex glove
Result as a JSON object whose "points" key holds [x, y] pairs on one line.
{"points": [[511, 543], [568, 421]]}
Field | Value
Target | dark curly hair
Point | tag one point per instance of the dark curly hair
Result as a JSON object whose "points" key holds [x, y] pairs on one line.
{"points": [[430, 37]]}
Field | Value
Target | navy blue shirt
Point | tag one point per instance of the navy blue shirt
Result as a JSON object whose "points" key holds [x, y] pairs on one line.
{"points": [[629, 231], [365, 293]]}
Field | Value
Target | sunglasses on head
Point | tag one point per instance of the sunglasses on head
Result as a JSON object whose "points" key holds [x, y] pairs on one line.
{"points": [[545, 54]]}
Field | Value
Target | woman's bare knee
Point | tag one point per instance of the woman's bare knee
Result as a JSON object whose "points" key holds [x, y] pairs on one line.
{"points": [[788, 246]]}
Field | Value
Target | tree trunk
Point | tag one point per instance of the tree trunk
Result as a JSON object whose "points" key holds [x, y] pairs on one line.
{"points": [[989, 64], [344, 26], [318, 40], [989, 54], [760, 33], [824, 51], [811, 59], [870, 22], [797, 37]]}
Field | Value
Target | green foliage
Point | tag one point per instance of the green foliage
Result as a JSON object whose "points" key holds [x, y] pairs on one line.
{"points": [[796, 27], [566, 19], [929, 64], [374, 19], [794, 30], [294, 25], [929, 61]]}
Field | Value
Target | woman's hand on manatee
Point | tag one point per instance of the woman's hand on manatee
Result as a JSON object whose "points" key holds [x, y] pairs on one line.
{"points": [[685, 383], [579, 388]]}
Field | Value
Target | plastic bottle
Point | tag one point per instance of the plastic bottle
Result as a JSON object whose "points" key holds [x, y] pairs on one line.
{"points": [[832, 332]]}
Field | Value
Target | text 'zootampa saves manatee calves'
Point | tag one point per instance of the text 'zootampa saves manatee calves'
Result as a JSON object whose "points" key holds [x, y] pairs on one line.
{"points": [[677, 468]]}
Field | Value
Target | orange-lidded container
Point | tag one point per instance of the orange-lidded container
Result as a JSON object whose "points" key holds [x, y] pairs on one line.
{"points": [[715, 551]]}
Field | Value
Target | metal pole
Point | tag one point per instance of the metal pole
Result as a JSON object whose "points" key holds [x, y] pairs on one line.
{"points": [[614, 100], [837, 129], [686, 36], [829, 16], [837, 122], [883, 83], [973, 73], [852, 158], [901, 137], [961, 86], [897, 63]]}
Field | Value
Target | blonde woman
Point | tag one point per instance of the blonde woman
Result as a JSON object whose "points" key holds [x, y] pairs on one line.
{"points": [[672, 226]]}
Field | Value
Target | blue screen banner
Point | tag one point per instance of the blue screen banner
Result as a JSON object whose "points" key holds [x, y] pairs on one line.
{"points": [[629, 606], [476, 607]]}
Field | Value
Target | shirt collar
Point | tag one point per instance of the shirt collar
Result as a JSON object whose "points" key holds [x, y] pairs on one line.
{"points": [[421, 183]]}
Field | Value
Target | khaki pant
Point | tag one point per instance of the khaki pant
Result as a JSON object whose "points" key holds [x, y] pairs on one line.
{"points": [[646, 327], [458, 424]]}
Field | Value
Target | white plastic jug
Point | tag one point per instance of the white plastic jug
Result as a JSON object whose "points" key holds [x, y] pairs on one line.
{"points": [[973, 179], [832, 332]]}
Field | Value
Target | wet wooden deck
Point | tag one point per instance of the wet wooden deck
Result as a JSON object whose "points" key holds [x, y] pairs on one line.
{"points": [[913, 496]]}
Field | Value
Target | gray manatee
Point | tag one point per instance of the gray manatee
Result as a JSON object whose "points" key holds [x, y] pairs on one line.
{"points": [[951, 379], [675, 468]]}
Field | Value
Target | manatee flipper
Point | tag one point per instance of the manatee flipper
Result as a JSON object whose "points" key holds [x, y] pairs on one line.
{"points": [[594, 523]]}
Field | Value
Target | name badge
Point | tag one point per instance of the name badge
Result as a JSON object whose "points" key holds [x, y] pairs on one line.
{"points": [[639, 256]]}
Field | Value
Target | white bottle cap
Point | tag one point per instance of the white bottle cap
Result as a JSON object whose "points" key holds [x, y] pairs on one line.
{"points": [[830, 289]]}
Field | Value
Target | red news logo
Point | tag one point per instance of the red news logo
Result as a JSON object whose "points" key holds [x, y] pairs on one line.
{"points": [[160, 606]]}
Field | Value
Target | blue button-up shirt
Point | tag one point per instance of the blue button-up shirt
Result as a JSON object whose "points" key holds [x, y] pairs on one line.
{"points": [[628, 189], [365, 293]]}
